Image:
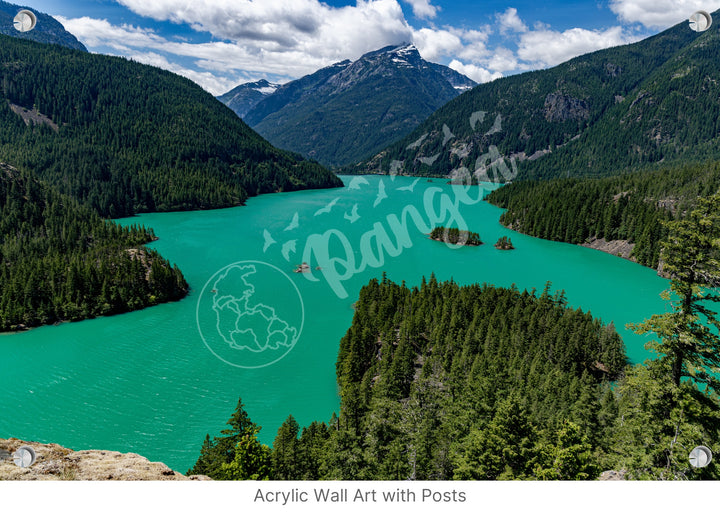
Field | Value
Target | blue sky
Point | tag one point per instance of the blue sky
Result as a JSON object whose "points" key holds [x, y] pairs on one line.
{"points": [[222, 43]]}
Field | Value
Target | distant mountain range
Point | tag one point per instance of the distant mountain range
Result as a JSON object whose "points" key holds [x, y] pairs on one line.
{"points": [[245, 97], [614, 110], [346, 111], [47, 30]]}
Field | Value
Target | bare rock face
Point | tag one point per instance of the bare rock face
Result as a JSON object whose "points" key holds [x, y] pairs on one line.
{"points": [[560, 107], [613, 475], [54, 462], [620, 248]]}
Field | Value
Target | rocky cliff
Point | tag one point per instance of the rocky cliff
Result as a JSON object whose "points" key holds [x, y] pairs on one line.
{"points": [[54, 462]]}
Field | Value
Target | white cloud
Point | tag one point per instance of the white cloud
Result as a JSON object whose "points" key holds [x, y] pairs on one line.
{"points": [[660, 14], [276, 26], [544, 48], [433, 44], [509, 21], [348, 34], [423, 8], [289, 39], [450, 42], [503, 60], [474, 72], [213, 83]]}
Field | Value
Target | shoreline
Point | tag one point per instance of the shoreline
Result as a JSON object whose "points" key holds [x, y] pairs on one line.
{"points": [[616, 248]]}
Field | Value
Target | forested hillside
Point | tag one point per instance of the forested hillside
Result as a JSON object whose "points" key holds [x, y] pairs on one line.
{"points": [[126, 137], [609, 111], [629, 207], [443, 382], [60, 261]]}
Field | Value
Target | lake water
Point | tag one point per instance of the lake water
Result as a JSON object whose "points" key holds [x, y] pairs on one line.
{"points": [[156, 381]]}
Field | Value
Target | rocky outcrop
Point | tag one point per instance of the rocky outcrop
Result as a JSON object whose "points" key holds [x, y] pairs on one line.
{"points": [[613, 475], [619, 248], [54, 462], [33, 117], [560, 107]]}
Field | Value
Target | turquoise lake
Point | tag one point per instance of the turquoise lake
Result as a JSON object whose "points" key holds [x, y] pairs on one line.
{"points": [[156, 381]]}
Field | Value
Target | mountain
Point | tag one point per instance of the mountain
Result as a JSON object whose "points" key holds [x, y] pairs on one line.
{"points": [[613, 110], [292, 92], [245, 97], [47, 30], [346, 111], [126, 137]]}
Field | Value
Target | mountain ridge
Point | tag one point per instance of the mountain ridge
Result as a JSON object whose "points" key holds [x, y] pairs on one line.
{"points": [[342, 112], [134, 138], [246, 96], [564, 120], [47, 30]]}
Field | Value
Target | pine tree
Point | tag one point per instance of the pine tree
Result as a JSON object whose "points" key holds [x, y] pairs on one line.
{"points": [[252, 460], [569, 457], [502, 450], [670, 404], [688, 345], [285, 451], [223, 450]]}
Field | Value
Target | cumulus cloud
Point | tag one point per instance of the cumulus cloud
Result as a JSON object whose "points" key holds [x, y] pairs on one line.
{"points": [[660, 14], [213, 83], [283, 43], [423, 8], [503, 60], [433, 44], [509, 21], [545, 47], [474, 72], [290, 38], [309, 26]]}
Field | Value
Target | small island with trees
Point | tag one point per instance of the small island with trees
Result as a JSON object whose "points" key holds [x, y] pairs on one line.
{"points": [[504, 243], [455, 236]]}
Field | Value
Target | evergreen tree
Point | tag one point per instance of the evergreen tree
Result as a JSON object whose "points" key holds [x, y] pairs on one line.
{"points": [[570, 457], [252, 459], [223, 450], [670, 404], [689, 346], [285, 451], [505, 449]]}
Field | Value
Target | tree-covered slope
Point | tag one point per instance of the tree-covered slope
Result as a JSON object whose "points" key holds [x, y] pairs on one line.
{"points": [[60, 261], [443, 382], [630, 207], [47, 29], [612, 110], [344, 112], [126, 137]]}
